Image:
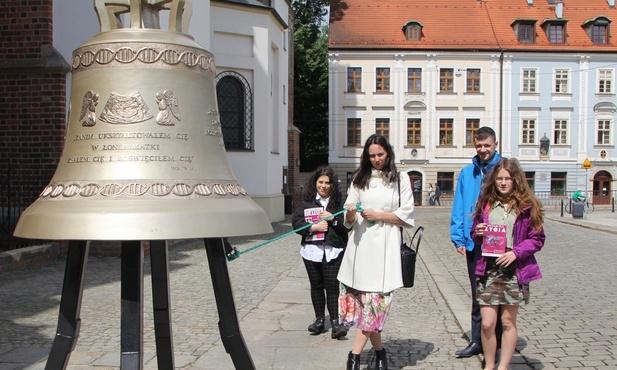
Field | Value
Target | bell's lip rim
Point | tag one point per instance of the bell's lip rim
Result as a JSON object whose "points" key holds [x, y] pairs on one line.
{"points": [[142, 219]]}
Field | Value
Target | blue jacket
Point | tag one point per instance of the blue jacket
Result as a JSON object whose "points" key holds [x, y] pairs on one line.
{"points": [[465, 196]]}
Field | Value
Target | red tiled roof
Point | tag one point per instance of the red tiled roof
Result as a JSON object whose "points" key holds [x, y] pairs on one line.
{"points": [[575, 12], [460, 24]]}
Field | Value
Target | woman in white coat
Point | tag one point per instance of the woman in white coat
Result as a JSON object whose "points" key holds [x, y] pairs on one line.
{"points": [[371, 267]]}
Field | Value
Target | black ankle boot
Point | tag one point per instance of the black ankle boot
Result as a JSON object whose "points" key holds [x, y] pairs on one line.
{"points": [[338, 331], [353, 361], [317, 326], [381, 362]]}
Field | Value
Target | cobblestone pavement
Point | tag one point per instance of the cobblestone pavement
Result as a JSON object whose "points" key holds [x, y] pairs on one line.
{"points": [[571, 322]]}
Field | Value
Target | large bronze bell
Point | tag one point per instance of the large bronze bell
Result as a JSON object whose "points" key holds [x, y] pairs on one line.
{"points": [[143, 160], [143, 157]]}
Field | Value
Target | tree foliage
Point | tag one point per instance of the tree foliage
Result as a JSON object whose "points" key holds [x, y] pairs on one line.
{"points": [[311, 81]]}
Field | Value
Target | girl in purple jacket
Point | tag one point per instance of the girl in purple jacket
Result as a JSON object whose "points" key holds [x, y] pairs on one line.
{"points": [[503, 280]]}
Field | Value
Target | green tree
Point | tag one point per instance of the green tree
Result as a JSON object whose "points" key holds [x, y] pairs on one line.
{"points": [[311, 81]]}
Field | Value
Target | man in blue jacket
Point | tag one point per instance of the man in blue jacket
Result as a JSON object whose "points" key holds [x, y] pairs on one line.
{"points": [[465, 197]]}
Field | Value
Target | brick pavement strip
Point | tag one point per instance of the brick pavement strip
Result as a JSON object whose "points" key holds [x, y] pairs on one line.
{"points": [[559, 329]]}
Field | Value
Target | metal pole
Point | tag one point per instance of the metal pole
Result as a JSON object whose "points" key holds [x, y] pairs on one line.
{"points": [[561, 207], [131, 306], [160, 304], [586, 183], [231, 336], [69, 322]]}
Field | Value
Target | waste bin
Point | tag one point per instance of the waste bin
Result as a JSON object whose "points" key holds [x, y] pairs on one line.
{"points": [[578, 210]]}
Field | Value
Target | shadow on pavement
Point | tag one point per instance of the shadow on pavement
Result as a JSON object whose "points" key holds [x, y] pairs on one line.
{"points": [[405, 352]]}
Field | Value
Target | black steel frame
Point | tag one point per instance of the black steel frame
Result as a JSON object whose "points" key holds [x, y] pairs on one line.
{"points": [[132, 305]]}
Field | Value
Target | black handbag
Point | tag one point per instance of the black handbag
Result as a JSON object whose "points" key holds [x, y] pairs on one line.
{"points": [[408, 255]]}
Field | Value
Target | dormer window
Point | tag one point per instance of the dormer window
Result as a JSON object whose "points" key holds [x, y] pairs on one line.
{"points": [[413, 31], [525, 30], [598, 30], [555, 30]]}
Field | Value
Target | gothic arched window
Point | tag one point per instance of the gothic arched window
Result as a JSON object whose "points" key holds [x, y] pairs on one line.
{"points": [[235, 103]]}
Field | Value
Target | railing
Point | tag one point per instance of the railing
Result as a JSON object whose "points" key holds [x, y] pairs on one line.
{"points": [[545, 197], [19, 187], [550, 200]]}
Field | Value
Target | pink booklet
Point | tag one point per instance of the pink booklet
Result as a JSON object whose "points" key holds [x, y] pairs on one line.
{"points": [[495, 240], [312, 215]]}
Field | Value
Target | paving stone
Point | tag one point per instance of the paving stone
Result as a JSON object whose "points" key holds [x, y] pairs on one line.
{"points": [[427, 323]]}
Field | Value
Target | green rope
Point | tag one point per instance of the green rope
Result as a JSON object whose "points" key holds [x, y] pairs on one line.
{"points": [[235, 254]]}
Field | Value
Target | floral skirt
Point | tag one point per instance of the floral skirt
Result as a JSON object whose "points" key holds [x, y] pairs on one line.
{"points": [[367, 311]]}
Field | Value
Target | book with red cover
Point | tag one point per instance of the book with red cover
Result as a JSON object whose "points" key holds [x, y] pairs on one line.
{"points": [[494, 241], [312, 215]]}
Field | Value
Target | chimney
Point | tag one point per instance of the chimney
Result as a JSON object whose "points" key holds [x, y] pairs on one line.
{"points": [[611, 3], [559, 9], [530, 2]]}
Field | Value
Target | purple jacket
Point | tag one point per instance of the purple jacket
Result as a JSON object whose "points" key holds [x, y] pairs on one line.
{"points": [[526, 242]]}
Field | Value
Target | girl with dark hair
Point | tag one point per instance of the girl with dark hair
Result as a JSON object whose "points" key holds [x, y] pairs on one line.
{"points": [[371, 268], [503, 280], [322, 245]]}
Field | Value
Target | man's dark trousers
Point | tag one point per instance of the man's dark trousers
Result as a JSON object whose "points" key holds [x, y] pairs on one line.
{"points": [[476, 318]]}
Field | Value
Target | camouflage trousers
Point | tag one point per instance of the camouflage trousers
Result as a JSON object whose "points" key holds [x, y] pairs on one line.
{"points": [[499, 286]]}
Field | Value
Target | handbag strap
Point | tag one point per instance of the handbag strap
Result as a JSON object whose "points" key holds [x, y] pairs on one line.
{"points": [[398, 183]]}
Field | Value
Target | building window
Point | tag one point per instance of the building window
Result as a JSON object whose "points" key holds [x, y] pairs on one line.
{"points": [[382, 127], [562, 81], [446, 131], [604, 132], [561, 132], [605, 81], [382, 81], [446, 80], [354, 79], [528, 134], [354, 132], [529, 80], [598, 30], [556, 33], [558, 183], [526, 33], [473, 80], [599, 34], [471, 126], [413, 32], [235, 104], [445, 181], [414, 80], [531, 180], [414, 131]]}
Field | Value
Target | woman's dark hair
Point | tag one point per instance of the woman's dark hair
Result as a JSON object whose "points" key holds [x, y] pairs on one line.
{"points": [[310, 188], [521, 196], [362, 175]]}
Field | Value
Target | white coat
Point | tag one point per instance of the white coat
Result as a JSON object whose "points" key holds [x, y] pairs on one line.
{"points": [[372, 260]]}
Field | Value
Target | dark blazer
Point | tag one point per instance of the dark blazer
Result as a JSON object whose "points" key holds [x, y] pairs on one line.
{"points": [[336, 235]]}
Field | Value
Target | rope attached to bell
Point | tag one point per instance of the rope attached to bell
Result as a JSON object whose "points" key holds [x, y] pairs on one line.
{"points": [[235, 253]]}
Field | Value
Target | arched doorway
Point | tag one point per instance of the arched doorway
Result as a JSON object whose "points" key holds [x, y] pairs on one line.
{"points": [[416, 184], [602, 188]]}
